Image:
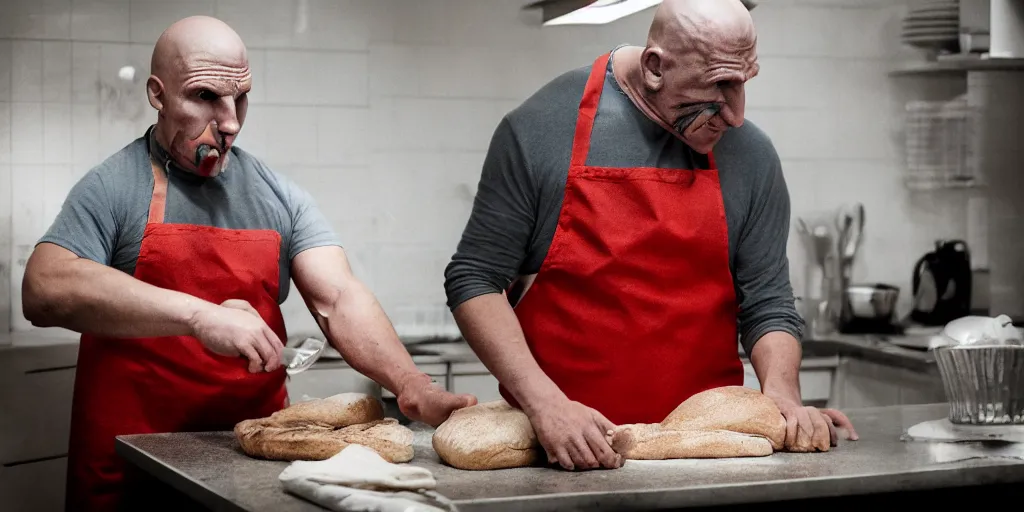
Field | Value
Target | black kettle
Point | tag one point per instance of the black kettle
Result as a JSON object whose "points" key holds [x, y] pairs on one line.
{"points": [[942, 284]]}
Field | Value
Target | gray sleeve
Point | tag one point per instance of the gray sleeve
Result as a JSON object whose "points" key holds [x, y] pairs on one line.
{"points": [[310, 228], [765, 293], [497, 236], [86, 224]]}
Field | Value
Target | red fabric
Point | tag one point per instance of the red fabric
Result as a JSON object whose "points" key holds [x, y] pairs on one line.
{"points": [[633, 310], [173, 384]]}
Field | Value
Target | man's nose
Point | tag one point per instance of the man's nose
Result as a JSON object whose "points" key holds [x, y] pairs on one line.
{"points": [[732, 108], [227, 122]]}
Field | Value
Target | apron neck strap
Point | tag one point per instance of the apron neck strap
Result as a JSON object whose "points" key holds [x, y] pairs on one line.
{"points": [[588, 111], [159, 201]]}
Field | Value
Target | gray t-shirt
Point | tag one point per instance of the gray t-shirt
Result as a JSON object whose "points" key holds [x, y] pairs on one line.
{"points": [[105, 214], [520, 192]]}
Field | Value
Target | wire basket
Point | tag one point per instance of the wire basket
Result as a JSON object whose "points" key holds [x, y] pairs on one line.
{"points": [[984, 385], [941, 144]]}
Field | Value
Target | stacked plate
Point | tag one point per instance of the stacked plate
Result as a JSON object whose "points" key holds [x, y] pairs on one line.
{"points": [[933, 25]]}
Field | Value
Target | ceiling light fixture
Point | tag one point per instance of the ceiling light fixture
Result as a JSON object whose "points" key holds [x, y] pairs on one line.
{"points": [[588, 12]]}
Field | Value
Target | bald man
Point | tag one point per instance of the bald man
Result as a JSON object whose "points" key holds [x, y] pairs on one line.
{"points": [[629, 230], [172, 257]]}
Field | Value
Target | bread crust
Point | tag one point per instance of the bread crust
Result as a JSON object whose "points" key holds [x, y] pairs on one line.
{"points": [[486, 436], [724, 422], [319, 429]]}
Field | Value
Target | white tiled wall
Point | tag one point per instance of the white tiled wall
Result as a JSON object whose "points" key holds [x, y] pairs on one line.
{"points": [[383, 109]]}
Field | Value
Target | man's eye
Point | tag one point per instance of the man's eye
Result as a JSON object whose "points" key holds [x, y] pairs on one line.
{"points": [[206, 95]]}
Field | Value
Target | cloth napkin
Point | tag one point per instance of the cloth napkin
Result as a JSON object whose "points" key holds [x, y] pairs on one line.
{"points": [[357, 479]]}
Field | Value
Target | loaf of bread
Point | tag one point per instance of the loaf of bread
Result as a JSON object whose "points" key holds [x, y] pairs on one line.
{"points": [[730, 421], [490, 435], [656, 442], [319, 429], [735, 408]]}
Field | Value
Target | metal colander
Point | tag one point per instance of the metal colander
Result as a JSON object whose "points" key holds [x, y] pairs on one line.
{"points": [[984, 384]]}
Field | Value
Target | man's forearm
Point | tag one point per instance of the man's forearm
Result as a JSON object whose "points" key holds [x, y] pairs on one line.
{"points": [[87, 297], [776, 359], [493, 331], [356, 325]]}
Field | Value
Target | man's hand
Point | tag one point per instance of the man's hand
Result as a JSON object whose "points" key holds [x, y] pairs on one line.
{"points": [[234, 328], [420, 400], [574, 435], [811, 429]]}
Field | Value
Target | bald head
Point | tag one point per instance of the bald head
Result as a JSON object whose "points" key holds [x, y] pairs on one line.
{"points": [[689, 78], [702, 25], [199, 81], [196, 37]]}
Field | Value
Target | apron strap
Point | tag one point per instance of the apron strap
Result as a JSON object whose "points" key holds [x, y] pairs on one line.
{"points": [[159, 201], [588, 111]]}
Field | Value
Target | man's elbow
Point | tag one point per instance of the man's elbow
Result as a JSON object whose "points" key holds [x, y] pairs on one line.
{"points": [[39, 303]]}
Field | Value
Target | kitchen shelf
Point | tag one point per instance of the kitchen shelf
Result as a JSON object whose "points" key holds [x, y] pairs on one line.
{"points": [[957, 66]]}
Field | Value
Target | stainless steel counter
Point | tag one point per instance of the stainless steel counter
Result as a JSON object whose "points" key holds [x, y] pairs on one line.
{"points": [[211, 469]]}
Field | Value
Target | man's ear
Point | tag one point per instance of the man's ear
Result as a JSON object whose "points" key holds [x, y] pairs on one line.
{"points": [[651, 67], [155, 91]]}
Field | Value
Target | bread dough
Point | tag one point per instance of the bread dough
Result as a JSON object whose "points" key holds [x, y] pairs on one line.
{"points": [[490, 435], [319, 429], [729, 421], [736, 408]]}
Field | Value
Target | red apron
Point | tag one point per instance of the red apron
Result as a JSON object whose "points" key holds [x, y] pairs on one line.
{"points": [[173, 384], [633, 310]]}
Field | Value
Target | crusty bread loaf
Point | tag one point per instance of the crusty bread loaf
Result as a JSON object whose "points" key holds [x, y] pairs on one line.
{"points": [[392, 441], [490, 435], [319, 429], [340, 410], [734, 408], [730, 421], [656, 442]]}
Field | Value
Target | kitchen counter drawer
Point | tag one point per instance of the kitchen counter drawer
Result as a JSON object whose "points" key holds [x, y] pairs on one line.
{"points": [[34, 486], [38, 385], [815, 381]]}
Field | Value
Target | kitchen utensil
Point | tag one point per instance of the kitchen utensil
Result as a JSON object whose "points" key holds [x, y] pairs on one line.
{"points": [[981, 364], [942, 284], [872, 301], [855, 234], [984, 384], [869, 308], [297, 359]]}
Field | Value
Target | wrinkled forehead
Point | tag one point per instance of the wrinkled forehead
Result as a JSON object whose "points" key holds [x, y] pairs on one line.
{"points": [[228, 72]]}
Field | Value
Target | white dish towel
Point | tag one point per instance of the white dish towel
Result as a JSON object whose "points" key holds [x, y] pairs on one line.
{"points": [[357, 479]]}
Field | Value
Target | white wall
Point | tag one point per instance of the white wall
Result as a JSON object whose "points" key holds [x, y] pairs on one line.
{"points": [[383, 109]]}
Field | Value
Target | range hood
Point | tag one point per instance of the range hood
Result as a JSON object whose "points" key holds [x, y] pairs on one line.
{"points": [[594, 12]]}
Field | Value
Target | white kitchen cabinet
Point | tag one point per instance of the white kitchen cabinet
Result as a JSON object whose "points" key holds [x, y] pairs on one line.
{"points": [[861, 383], [815, 380], [38, 384], [325, 381], [473, 378], [35, 419], [484, 387]]}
